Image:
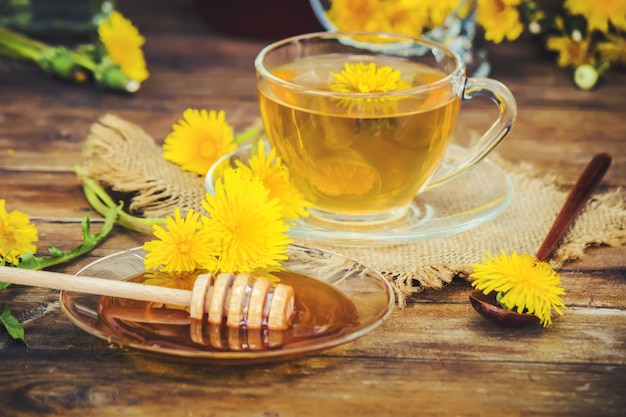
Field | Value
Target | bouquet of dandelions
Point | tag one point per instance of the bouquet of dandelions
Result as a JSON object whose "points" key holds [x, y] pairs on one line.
{"points": [[244, 227], [587, 36], [115, 61]]}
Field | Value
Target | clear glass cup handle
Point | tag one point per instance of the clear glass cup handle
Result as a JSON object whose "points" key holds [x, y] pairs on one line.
{"points": [[503, 98]]}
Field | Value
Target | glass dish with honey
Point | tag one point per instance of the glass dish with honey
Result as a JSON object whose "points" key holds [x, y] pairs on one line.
{"points": [[337, 300]]}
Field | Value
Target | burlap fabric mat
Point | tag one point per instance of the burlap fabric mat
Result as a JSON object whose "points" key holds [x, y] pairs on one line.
{"points": [[120, 155]]}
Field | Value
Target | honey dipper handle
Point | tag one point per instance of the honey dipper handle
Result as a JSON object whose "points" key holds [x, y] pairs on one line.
{"points": [[97, 286], [585, 186]]}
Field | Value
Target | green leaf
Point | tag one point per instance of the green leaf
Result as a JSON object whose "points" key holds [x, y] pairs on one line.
{"points": [[30, 261], [12, 324], [54, 251]]}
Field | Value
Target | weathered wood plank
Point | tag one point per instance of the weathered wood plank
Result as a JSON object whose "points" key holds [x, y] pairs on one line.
{"points": [[430, 328], [306, 387]]}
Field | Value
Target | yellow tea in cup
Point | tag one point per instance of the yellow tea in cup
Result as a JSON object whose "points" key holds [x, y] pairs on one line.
{"points": [[363, 121]]}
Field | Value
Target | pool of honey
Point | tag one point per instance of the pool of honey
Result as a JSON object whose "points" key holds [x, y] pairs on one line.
{"points": [[321, 311]]}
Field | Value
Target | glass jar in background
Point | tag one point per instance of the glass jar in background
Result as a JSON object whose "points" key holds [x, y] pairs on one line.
{"points": [[52, 18]]}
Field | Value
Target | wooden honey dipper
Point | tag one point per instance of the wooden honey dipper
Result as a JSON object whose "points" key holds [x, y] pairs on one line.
{"points": [[237, 299]]}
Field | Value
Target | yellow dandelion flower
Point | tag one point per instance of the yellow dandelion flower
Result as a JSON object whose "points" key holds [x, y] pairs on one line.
{"points": [[353, 15], [248, 224], [183, 246], [198, 140], [438, 11], [613, 50], [275, 177], [571, 52], [123, 43], [406, 17], [17, 235], [500, 19], [368, 78], [599, 13], [527, 284]]}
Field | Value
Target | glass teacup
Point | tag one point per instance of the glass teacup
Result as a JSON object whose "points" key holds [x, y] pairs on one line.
{"points": [[363, 120]]}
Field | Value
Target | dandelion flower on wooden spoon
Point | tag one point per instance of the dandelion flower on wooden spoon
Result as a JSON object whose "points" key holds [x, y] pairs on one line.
{"points": [[523, 283]]}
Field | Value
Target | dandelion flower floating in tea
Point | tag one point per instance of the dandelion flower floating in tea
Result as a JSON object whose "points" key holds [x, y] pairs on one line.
{"points": [[369, 78], [523, 283]]}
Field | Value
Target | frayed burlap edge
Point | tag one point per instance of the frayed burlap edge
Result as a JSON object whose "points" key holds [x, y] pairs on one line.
{"points": [[412, 268], [122, 156]]}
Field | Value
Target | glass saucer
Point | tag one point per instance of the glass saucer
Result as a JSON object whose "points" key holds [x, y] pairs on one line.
{"points": [[356, 292], [467, 201]]}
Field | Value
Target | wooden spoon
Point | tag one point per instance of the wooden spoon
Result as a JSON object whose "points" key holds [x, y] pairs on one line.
{"points": [[588, 181]]}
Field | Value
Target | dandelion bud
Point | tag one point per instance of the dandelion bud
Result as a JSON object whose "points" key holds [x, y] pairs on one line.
{"points": [[586, 76], [132, 86], [110, 75], [534, 27]]}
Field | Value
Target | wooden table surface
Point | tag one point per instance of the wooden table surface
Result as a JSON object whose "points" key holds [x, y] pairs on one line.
{"points": [[434, 357]]}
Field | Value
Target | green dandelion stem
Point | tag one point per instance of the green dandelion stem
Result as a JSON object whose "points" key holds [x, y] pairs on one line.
{"points": [[107, 74], [21, 46], [76, 65], [499, 296], [55, 60], [253, 133], [101, 201]]}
